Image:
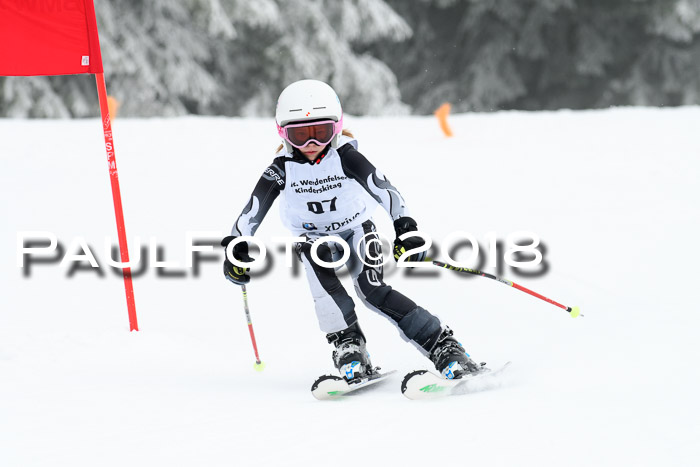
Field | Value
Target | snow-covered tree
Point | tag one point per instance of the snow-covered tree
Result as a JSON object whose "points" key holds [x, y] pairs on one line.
{"points": [[667, 70], [313, 39], [545, 54], [154, 54]]}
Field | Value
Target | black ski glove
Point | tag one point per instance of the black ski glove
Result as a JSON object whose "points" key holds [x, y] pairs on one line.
{"points": [[401, 226], [240, 252]]}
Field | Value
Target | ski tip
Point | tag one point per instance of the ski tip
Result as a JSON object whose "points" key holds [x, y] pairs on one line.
{"points": [[324, 378], [408, 377]]}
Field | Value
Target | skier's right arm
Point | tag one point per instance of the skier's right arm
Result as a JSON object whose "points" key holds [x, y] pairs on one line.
{"points": [[267, 189], [269, 186]]}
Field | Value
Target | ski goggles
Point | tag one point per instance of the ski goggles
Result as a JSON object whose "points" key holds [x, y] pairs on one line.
{"points": [[302, 134]]}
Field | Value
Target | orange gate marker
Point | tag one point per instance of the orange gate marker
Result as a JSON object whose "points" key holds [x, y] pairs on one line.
{"points": [[113, 105], [441, 113]]}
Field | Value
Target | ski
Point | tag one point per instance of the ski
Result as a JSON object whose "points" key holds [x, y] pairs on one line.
{"points": [[422, 384], [329, 387]]}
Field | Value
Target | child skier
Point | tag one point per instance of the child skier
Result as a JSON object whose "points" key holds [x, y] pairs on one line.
{"points": [[321, 177]]}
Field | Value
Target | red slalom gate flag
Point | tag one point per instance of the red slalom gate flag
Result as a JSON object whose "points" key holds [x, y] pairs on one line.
{"points": [[59, 37], [48, 37]]}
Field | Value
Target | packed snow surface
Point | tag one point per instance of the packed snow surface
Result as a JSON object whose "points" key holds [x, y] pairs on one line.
{"points": [[612, 194]]}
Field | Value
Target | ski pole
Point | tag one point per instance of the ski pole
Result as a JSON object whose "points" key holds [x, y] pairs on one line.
{"points": [[259, 365], [573, 311]]}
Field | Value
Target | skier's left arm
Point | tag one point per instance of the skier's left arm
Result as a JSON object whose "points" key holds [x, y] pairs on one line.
{"points": [[357, 167]]}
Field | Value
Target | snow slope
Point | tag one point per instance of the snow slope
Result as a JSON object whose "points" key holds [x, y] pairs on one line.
{"points": [[613, 195]]}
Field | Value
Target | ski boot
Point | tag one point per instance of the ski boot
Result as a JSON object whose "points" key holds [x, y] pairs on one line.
{"points": [[450, 358], [350, 356]]}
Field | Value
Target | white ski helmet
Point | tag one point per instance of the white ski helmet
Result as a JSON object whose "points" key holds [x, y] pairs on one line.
{"points": [[305, 100]]}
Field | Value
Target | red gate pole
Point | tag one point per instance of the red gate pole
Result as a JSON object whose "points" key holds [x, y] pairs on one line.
{"points": [[116, 196]]}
